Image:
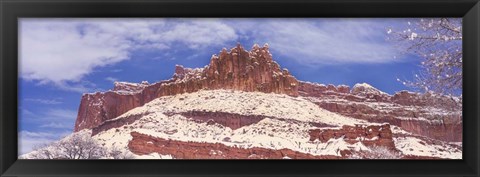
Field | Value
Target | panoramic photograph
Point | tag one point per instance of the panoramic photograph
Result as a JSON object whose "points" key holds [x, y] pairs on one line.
{"points": [[240, 88]]}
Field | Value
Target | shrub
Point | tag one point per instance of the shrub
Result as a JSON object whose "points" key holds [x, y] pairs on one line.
{"points": [[376, 152]]}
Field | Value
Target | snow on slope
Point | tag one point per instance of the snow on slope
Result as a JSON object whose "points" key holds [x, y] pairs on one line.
{"points": [[364, 88], [388, 108], [415, 146], [270, 132], [127, 88], [245, 103]]}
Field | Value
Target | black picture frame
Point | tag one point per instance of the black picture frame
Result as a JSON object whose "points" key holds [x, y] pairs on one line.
{"points": [[12, 10]]}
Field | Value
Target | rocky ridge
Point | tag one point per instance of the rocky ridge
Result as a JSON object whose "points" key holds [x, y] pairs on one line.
{"points": [[237, 69], [427, 114]]}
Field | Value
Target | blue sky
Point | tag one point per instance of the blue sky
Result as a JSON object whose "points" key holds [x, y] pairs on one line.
{"points": [[62, 58]]}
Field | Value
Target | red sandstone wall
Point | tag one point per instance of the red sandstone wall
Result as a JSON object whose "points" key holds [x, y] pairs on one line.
{"points": [[450, 129], [234, 121], [142, 144], [368, 135]]}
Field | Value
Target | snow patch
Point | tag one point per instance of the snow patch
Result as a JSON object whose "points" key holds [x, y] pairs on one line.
{"points": [[418, 147], [246, 103]]}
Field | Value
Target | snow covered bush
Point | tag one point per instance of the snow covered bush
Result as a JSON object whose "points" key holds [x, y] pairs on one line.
{"points": [[439, 42], [43, 151], [116, 153], [81, 147], [78, 146], [376, 152]]}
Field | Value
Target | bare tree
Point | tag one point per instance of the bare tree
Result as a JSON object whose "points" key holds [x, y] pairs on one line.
{"points": [[78, 146], [376, 152], [116, 153], [44, 151], [439, 42]]}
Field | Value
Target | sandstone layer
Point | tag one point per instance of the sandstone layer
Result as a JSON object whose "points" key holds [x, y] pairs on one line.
{"points": [[142, 144], [372, 135], [434, 116]]}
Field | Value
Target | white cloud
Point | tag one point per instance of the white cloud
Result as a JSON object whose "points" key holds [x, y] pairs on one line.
{"points": [[116, 70], [111, 79], [53, 51], [51, 118], [57, 125], [74, 86], [53, 123], [199, 33], [44, 101], [61, 114], [327, 41], [27, 140], [64, 51], [26, 112]]}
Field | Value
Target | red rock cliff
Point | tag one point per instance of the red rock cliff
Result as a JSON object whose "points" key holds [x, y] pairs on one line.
{"points": [[369, 135], [237, 69], [435, 116], [142, 144]]}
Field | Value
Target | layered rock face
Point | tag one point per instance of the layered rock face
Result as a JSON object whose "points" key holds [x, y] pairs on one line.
{"points": [[114, 123], [145, 144], [237, 69], [372, 135], [434, 116], [234, 121]]}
